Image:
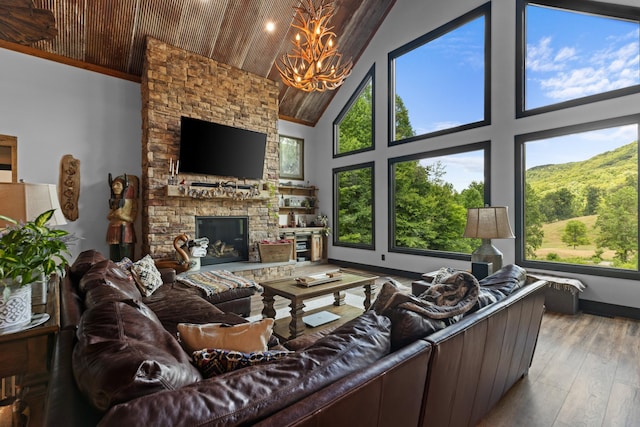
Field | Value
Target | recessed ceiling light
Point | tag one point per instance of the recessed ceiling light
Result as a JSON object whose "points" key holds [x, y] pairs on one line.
{"points": [[270, 26]]}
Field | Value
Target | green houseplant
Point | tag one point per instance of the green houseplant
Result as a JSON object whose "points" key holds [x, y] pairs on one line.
{"points": [[29, 250]]}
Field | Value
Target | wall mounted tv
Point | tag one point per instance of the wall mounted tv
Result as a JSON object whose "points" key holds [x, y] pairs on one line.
{"points": [[209, 148]]}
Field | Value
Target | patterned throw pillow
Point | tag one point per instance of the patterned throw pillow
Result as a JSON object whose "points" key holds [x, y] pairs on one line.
{"points": [[213, 361], [146, 275], [125, 264]]}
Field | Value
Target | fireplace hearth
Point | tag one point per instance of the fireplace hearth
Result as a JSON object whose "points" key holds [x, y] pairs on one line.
{"points": [[228, 238]]}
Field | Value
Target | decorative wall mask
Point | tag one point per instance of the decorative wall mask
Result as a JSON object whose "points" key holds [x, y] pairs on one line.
{"points": [[69, 186]]}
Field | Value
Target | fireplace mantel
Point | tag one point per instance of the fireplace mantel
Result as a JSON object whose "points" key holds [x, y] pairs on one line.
{"points": [[194, 192]]}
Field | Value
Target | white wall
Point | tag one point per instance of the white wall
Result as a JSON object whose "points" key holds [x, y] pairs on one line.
{"points": [[55, 109], [408, 20]]}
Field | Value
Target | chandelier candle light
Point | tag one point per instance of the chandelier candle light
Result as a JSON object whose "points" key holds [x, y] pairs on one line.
{"points": [[314, 64], [489, 222]]}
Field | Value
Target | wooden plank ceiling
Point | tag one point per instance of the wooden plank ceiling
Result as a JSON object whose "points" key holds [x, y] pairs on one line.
{"points": [[111, 34]]}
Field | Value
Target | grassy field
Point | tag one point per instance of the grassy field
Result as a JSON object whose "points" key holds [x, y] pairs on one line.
{"points": [[552, 242]]}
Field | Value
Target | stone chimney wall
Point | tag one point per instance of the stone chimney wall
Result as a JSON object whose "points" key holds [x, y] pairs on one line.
{"points": [[178, 83]]}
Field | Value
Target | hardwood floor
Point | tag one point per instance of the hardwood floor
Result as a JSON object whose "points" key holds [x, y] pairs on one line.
{"points": [[585, 372]]}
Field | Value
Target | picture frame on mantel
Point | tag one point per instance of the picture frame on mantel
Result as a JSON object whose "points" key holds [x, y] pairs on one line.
{"points": [[291, 157]]}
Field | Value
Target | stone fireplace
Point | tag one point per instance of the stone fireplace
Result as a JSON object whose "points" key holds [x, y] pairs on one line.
{"points": [[179, 83], [228, 238]]}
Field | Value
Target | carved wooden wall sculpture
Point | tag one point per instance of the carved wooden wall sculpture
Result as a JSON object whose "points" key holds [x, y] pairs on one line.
{"points": [[69, 187]]}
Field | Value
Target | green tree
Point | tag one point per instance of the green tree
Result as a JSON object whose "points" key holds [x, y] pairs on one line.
{"points": [[427, 213], [593, 195], [575, 233], [558, 205], [618, 221], [403, 124], [473, 196], [355, 207], [355, 129], [533, 220]]}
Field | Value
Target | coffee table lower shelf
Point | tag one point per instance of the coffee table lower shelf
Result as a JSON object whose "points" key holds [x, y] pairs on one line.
{"points": [[346, 313]]}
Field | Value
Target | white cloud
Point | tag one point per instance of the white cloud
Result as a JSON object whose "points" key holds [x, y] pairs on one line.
{"points": [[444, 125], [460, 169], [575, 76], [540, 57], [624, 134], [566, 53]]}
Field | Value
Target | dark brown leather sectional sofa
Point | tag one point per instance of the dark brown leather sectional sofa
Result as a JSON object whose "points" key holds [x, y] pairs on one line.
{"points": [[350, 377]]}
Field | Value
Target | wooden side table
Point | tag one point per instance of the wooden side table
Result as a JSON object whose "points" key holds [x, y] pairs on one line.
{"points": [[26, 355]]}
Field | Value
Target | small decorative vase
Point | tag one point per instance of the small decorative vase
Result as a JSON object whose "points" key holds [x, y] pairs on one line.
{"points": [[194, 263], [15, 312], [39, 291]]}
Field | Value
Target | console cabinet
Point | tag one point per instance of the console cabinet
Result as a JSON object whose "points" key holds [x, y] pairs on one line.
{"points": [[308, 243]]}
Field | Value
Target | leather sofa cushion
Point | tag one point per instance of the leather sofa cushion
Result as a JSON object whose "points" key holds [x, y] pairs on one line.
{"points": [[247, 395], [105, 281], [84, 262], [123, 352], [229, 295], [175, 304], [500, 285], [506, 280]]}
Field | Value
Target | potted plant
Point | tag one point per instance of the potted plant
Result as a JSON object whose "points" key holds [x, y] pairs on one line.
{"points": [[28, 251]]}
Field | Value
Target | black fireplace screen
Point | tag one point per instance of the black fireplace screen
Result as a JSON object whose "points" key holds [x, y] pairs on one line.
{"points": [[228, 238]]}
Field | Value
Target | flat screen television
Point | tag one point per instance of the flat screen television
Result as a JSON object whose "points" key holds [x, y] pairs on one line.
{"points": [[209, 148]]}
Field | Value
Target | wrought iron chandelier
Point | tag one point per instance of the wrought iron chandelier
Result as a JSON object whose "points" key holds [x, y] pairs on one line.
{"points": [[314, 64]]}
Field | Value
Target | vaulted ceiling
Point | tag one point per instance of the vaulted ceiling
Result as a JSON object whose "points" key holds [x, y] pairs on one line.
{"points": [[109, 35]]}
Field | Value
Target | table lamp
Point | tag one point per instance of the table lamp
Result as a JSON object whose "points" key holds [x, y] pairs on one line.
{"points": [[24, 202], [489, 222]]}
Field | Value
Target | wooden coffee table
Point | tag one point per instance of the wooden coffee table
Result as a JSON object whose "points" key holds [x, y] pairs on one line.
{"points": [[290, 289]]}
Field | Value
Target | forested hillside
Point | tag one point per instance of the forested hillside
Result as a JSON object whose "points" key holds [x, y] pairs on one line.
{"points": [[608, 170]]}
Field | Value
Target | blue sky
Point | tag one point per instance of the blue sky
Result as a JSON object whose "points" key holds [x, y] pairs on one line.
{"points": [[569, 55]]}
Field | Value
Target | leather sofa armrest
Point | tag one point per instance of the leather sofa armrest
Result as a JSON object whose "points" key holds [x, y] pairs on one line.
{"points": [[65, 405], [168, 275], [71, 304], [488, 350]]}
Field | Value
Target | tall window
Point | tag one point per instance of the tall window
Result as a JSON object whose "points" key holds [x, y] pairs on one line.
{"points": [[353, 206], [441, 81], [353, 128], [573, 52], [578, 206], [430, 194]]}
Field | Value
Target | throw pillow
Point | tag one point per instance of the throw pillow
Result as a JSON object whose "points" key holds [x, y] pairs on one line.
{"points": [[214, 361], [146, 275], [125, 263], [245, 337]]}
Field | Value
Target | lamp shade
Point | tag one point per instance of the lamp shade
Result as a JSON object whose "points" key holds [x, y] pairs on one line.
{"points": [[24, 202], [490, 222]]}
